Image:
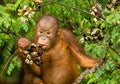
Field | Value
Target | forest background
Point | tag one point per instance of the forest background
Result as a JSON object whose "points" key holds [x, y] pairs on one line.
{"points": [[96, 24]]}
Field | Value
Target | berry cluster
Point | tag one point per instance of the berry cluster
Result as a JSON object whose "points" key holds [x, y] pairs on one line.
{"points": [[97, 11], [38, 1], [37, 5], [112, 4], [95, 35], [26, 13], [33, 54]]}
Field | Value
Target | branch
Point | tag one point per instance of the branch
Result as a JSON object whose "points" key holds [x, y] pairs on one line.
{"points": [[115, 50], [8, 61], [97, 4], [71, 7], [11, 32], [87, 71], [99, 9]]}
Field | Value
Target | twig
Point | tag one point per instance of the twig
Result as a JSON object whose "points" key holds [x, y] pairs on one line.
{"points": [[99, 9], [115, 50], [97, 4], [78, 9], [87, 71], [8, 61], [11, 32]]}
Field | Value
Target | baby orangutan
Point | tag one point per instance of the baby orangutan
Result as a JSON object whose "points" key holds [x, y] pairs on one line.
{"points": [[61, 53]]}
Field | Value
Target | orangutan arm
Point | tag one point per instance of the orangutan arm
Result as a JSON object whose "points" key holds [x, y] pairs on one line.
{"points": [[77, 51]]}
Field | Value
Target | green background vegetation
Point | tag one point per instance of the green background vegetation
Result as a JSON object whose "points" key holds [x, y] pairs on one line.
{"points": [[74, 15]]}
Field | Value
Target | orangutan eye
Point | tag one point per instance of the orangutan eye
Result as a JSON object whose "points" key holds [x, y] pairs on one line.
{"points": [[41, 32], [48, 33]]}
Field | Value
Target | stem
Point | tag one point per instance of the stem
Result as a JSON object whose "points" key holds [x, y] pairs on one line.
{"points": [[87, 71], [71, 7], [8, 61]]}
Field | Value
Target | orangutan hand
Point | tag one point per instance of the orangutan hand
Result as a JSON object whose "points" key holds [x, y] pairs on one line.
{"points": [[23, 43]]}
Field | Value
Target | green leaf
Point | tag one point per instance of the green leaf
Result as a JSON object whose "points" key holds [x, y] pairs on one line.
{"points": [[15, 26], [11, 67], [14, 63], [24, 26], [32, 21]]}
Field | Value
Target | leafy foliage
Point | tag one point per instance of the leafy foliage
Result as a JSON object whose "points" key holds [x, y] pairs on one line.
{"points": [[97, 31], [14, 63]]}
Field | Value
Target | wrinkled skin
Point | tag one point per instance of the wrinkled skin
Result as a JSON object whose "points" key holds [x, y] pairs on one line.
{"points": [[61, 54], [46, 32]]}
